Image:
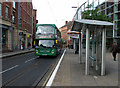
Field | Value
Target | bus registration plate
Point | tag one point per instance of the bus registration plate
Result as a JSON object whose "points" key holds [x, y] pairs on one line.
{"points": [[44, 54]]}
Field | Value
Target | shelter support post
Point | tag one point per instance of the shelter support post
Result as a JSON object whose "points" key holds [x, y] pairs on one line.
{"points": [[82, 38], [80, 47], [74, 45], [103, 51], [93, 47], [96, 67], [87, 51], [67, 41]]}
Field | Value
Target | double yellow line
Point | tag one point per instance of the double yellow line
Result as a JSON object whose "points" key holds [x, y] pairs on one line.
{"points": [[44, 84], [57, 62]]}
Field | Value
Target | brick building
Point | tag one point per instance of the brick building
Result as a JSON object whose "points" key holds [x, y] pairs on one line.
{"points": [[63, 30], [34, 24], [64, 35], [8, 24], [16, 24], [25, 26]]}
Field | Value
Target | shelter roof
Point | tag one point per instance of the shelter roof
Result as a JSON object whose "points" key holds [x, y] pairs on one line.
{"points": [[94, 22], [78, 24]]}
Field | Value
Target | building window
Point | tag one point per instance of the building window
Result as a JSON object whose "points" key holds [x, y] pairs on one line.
{"points": [[20, 11], [25, 7], [20, 22], [6, 12], [0, 9], [13, 17], [109, 15], [13, 4], [25, 25]]}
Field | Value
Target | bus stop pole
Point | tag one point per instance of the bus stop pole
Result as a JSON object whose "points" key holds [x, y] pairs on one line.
{"points": [[87, 51], [80, 47], [103, 51]]}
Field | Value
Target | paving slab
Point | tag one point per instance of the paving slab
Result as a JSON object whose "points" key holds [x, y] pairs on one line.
{"points": [[72, 73]]}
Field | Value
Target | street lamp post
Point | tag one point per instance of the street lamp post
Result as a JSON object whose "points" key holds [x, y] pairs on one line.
{"points": [[18, 27]]}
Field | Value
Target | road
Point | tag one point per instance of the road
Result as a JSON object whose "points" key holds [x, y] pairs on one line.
{"points": [[27, 69]]}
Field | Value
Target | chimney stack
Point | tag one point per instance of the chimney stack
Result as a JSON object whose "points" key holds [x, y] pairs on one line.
{"points": [[66, 22]]}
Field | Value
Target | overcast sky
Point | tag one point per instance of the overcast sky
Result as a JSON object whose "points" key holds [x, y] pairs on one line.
{"points": [[56, 11]]}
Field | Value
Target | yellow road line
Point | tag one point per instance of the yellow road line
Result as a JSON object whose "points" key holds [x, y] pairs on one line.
{"points": [[48, 76]]}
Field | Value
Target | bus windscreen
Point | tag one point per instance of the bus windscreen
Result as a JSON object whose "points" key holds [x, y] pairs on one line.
{"points": [[45, 43], [45, 31]]}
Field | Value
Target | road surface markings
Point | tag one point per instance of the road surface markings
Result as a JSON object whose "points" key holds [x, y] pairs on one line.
{"points": [[30, 60], [48, 77], [9, 69], [49, 83]]}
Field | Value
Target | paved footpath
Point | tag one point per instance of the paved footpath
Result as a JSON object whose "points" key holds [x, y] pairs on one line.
{"points": [[3, 55], [72, 73]]}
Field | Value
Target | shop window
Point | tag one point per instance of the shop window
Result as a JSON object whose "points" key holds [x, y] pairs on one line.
{"points": [[4, 39]]}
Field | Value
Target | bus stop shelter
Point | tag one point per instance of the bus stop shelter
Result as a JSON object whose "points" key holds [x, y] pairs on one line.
{"points": [[95, 36], [74, 35]]}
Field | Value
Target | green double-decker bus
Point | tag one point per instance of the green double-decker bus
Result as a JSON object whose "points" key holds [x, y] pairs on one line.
{"points": [[48, 40]]}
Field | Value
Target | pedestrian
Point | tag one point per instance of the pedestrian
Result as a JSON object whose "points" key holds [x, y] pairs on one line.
{"points": [[69, 46], [114, 50], [29, 45], [23, 45]]}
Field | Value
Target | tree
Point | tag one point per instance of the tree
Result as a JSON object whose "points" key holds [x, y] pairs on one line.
{"points": [[94, 14]]}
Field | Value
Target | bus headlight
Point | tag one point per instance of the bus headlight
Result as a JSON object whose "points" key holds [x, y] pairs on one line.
{"points": [[36, 51], [52, 52]]}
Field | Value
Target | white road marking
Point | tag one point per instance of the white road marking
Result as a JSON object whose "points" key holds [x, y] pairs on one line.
{"points": [[9, 69], [49, 83], [30, 60]]}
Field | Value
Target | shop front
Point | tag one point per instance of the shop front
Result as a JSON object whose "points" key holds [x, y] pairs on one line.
{"points": [[22, 38], [4, 38]]}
